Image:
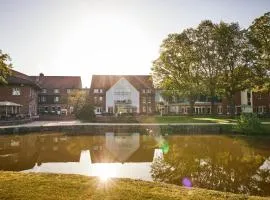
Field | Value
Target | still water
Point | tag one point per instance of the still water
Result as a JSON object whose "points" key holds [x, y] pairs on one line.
{"points": [[225, 163]]}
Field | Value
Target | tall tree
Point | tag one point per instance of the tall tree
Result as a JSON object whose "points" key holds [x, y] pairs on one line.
{"points": [[206, 51], [176, 68], [77, 99], [259, 36], [5, 66], [233, 53]]}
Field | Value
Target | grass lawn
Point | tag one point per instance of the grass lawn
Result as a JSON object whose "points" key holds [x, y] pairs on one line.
{"points": [[184, 119], [30, 186], [189, 119]]}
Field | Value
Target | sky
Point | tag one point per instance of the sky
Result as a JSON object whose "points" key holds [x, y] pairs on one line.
{"points": [[85, 37]]}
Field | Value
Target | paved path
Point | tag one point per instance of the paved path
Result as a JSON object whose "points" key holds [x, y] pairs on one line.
{"points": [[78, 123]]}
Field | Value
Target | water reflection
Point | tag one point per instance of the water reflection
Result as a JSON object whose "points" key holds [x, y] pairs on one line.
{"points": [[115, 155], [219, 163], [235, 164]]}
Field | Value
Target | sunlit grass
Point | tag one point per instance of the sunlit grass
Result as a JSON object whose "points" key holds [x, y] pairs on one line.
{"points": [[214, 120], [185, 119], [29, 186]]}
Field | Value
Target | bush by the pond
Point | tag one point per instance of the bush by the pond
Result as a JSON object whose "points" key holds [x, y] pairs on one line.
{"points": [[86, 113], [249, 123]]}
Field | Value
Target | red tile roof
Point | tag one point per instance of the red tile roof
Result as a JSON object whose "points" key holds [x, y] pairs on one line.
{"points": [[107, 81], [59, 82], [18, 78]]}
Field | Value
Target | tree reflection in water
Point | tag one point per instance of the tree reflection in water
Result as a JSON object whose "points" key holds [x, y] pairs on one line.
{"points": [[229, 164]]}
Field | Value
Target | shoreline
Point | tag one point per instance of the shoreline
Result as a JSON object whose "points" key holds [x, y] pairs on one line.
{"points": [[17, 185]]}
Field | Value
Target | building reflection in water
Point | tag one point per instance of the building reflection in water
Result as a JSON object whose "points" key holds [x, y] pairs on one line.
{"points": [[234, 164], [115, 155]]}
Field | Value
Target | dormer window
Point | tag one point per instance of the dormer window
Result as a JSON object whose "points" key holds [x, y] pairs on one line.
{"points": [[98, 91], [44, 90], [148, 91], [56, 91]]}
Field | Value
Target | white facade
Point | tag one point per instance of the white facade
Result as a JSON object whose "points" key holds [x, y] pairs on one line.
{"points": [[122, 91], [246, 101]]}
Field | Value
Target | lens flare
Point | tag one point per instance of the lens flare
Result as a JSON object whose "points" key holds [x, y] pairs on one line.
{"points": [[186, 182], [165, 147]]}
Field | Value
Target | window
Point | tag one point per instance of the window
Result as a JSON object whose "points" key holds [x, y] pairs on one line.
{"points": [[149, 100], [56, 99], [149, 109], [16, 91], [260, 96], [144, 99], [148, 91], [228, 109], [261, 109], [97, 91], [183, 110], [95, 99], [249, 98], [98, 109], [68, 91], [56, 91], [44, 90], [219, 109], [110, 109], [144, 108], [43, 99], [100, 99]]}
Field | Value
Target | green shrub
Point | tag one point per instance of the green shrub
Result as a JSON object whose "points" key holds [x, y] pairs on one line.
{"points": [[248, 123], [86, 113]]}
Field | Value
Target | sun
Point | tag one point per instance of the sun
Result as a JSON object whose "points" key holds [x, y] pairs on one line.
{"points": [[104, 45], [104, 171]]}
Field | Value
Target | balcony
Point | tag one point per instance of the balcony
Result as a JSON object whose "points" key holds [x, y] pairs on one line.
{"points": [[126, 101]]}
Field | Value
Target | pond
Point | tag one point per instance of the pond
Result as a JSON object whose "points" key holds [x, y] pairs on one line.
{"points": [[227, 163]]}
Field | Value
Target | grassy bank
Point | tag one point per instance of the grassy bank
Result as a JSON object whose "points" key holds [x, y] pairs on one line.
{"points": [[184, 119], [51, 186], [190, 119]]}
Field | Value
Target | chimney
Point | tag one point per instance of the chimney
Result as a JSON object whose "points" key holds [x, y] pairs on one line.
{"points": [[39, 77]]}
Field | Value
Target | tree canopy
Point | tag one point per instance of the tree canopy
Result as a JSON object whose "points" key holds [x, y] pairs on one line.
{"points": [[5, 66], [214, 59], [259, 36], [236, 72], [176, 68]]}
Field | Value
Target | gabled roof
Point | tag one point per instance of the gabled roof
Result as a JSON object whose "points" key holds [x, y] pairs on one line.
{"points": [[60, 82], [107, 81], [18, 78]]}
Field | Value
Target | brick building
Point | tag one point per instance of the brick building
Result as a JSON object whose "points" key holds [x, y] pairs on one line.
{"points": [[245, 101], [122, 94], [52, 98], [22, 90]]}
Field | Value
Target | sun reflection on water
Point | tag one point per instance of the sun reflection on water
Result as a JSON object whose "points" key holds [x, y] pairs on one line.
{"points": [[105, 171]]}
